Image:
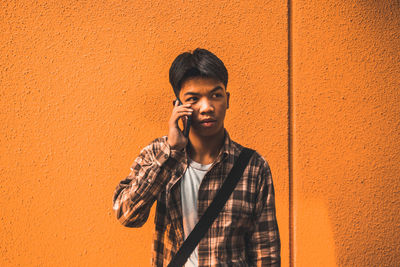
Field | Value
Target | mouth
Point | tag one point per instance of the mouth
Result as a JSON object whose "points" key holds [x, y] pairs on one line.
{"points": [[208, 122]]}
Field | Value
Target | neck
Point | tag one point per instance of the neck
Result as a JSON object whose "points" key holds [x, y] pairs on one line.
{"points": [[205, 149]]}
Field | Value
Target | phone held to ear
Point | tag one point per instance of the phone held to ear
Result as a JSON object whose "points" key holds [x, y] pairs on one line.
{"points": [[188, 122]]}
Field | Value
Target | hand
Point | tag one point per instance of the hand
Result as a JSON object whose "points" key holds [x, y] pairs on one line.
{"points": [[176, 139]]}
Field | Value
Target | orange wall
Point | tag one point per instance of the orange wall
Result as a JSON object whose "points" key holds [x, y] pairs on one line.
{"points": [[84, 86], [346, 147]]}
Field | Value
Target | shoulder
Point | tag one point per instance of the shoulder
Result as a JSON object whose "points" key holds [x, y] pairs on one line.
{"points": [[256, 160], [257, 174]]}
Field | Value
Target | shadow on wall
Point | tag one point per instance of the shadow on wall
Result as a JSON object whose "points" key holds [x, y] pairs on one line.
{"points": [[315, 226], [364, 217]]}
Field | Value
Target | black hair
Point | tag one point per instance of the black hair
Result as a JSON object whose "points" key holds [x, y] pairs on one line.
{"points": [[199, 63]]}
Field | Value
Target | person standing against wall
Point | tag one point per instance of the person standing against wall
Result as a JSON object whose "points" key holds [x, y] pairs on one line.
{"points": [[184, 173]]}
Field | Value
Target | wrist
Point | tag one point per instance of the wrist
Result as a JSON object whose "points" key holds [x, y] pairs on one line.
{"points": [[174, 146]]}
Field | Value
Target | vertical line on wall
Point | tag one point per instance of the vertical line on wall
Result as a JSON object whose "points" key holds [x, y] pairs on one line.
{"points": [[290, 134]]}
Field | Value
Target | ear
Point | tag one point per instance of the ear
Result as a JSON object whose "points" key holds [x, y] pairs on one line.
{"points": [[227, 99]]}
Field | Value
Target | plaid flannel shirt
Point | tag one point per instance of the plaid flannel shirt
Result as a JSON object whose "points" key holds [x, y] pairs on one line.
{"points": [[244, 234]]}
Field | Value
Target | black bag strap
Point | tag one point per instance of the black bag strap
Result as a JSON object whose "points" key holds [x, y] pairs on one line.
{"points": [[213, 210]]}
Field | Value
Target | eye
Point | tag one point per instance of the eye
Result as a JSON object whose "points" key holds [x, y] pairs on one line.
{"points": [[191, 99], [217, 95]]}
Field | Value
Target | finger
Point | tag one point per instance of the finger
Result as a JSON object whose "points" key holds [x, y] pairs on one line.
{"points": [[179, 110], [184, 110], [181, 113], [184, 119], [183, 105]]}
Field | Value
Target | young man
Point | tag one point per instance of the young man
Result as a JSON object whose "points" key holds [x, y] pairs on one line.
{"points": [[184, 175]]}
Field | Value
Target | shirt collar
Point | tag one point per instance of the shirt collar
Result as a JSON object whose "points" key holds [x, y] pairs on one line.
{"points": [[227, 148]]}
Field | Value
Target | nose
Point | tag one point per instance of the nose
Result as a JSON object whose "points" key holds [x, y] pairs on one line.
{"points": [[206, 106]]}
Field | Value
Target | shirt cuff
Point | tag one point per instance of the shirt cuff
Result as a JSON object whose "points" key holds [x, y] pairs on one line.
{"points": [[166, 152]]}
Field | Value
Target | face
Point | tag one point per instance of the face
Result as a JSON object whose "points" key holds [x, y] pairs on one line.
{"points": [[209, 101]]}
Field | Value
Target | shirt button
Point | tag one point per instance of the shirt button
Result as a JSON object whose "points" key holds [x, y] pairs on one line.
{"points": [[166, 156], [149, 180]]}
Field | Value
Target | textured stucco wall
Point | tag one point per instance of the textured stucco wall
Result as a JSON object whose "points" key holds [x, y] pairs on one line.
{"points": [[84, 86], [346, 145]]}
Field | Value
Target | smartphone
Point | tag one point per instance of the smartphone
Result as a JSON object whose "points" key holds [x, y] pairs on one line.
{"points": [[188, 122]]}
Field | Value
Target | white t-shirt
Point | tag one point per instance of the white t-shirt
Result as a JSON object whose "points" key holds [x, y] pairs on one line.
{"points": [[190, 184]]}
